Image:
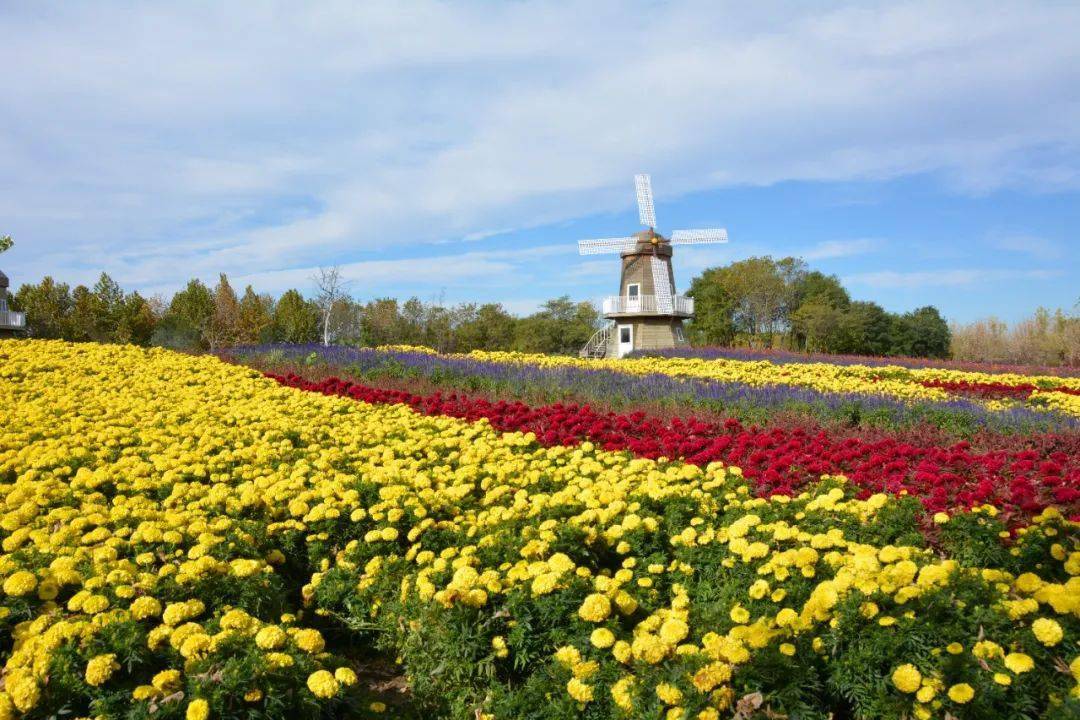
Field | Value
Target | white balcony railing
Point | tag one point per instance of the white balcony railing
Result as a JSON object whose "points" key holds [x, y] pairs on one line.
{"points": [[678, 305], [9, 319]]}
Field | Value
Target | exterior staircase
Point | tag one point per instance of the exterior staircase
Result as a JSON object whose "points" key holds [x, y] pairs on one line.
{"points": [[597, 347]]}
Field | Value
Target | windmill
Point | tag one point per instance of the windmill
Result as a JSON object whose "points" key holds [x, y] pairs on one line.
{"points": [[646, 314]]}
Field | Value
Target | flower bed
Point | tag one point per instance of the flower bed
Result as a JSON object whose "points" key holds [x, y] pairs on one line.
{"points": [[186, 538], [1020, 483], [565, 379]]}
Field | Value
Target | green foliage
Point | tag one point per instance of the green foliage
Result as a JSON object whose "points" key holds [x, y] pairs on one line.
{"points": [[188, 316], [765, 302], [296, 320], [560, 327]]}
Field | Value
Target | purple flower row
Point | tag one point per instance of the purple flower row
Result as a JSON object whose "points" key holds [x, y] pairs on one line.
{"points": [[621, 389]]}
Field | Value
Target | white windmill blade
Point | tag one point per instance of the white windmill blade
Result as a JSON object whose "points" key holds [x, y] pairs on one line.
{"points": [[646, 211], [606, 245], [662, 288], [699, 237]]}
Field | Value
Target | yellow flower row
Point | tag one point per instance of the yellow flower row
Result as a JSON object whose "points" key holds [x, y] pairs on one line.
{"points": [[160, 495], [899, 382]]}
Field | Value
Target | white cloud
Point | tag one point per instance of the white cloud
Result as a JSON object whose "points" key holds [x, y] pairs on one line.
{"points": [[941, 278], [155, 141], [1037, 247], [831, 249]]}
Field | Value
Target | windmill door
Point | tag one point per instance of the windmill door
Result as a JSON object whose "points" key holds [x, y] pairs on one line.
{"points": [[626, 339]]}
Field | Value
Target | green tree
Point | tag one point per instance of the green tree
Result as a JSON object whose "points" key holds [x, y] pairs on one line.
{"points": [[108, 303], [818, 302], [224, 324], [82, 318], [46, 305], [185, 321], [488, 327], [255, 317], [6, 243], [714, 310], [381, 322], [755, 297], [816, 326], [865, 329], [295, 319], [560, 327], [136, 321], [921, 333]]}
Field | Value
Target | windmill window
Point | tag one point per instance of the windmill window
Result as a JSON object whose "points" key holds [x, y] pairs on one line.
{"points": [[633, 290], [679, 333], [624, 334]]}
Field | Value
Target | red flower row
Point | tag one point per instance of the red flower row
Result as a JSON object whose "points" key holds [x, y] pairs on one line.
{"points": [[992, 390], [1018, 481]]}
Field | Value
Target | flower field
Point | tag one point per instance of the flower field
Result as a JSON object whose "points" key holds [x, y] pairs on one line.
{"points": [[189, 538]]}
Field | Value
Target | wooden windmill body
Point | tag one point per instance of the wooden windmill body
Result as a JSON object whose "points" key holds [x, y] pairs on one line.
{"points": [[647, 314]]}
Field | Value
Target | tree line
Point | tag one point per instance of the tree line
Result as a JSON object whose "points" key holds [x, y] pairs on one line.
{"points": [[199, 317], [762, 302], [758, 302]]}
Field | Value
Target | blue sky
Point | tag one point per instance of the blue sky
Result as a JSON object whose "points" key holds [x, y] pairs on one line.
{"points": [[926, 152]]}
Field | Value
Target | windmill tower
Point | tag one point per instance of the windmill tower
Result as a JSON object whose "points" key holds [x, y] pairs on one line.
{"points": [[646, 314]]}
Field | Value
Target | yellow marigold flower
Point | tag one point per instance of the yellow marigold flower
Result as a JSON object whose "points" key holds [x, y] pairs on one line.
{"points": [[961, 693], [585, 670], [270, 637], [279, 659], [253, 695], [954, 648], [673, 630], [22, 582], [1019, 662], [907, 678], [1047, 631], [1074, 668], [602, 638], [787, 649], [649, 648], [309, 640], [544, 584], [377, 706], [926, 693], [144, 692], [322, 684], [498, 644], [986, 649], [669, 694], [739, 614], [167, 680], [101, 668], [711, 675], [197, 709], [579, 690], [1003, 679], [145, 607], [345, 676], [622, 651], [758, 589], [622, 692], [568, 655], [595, 608]]}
